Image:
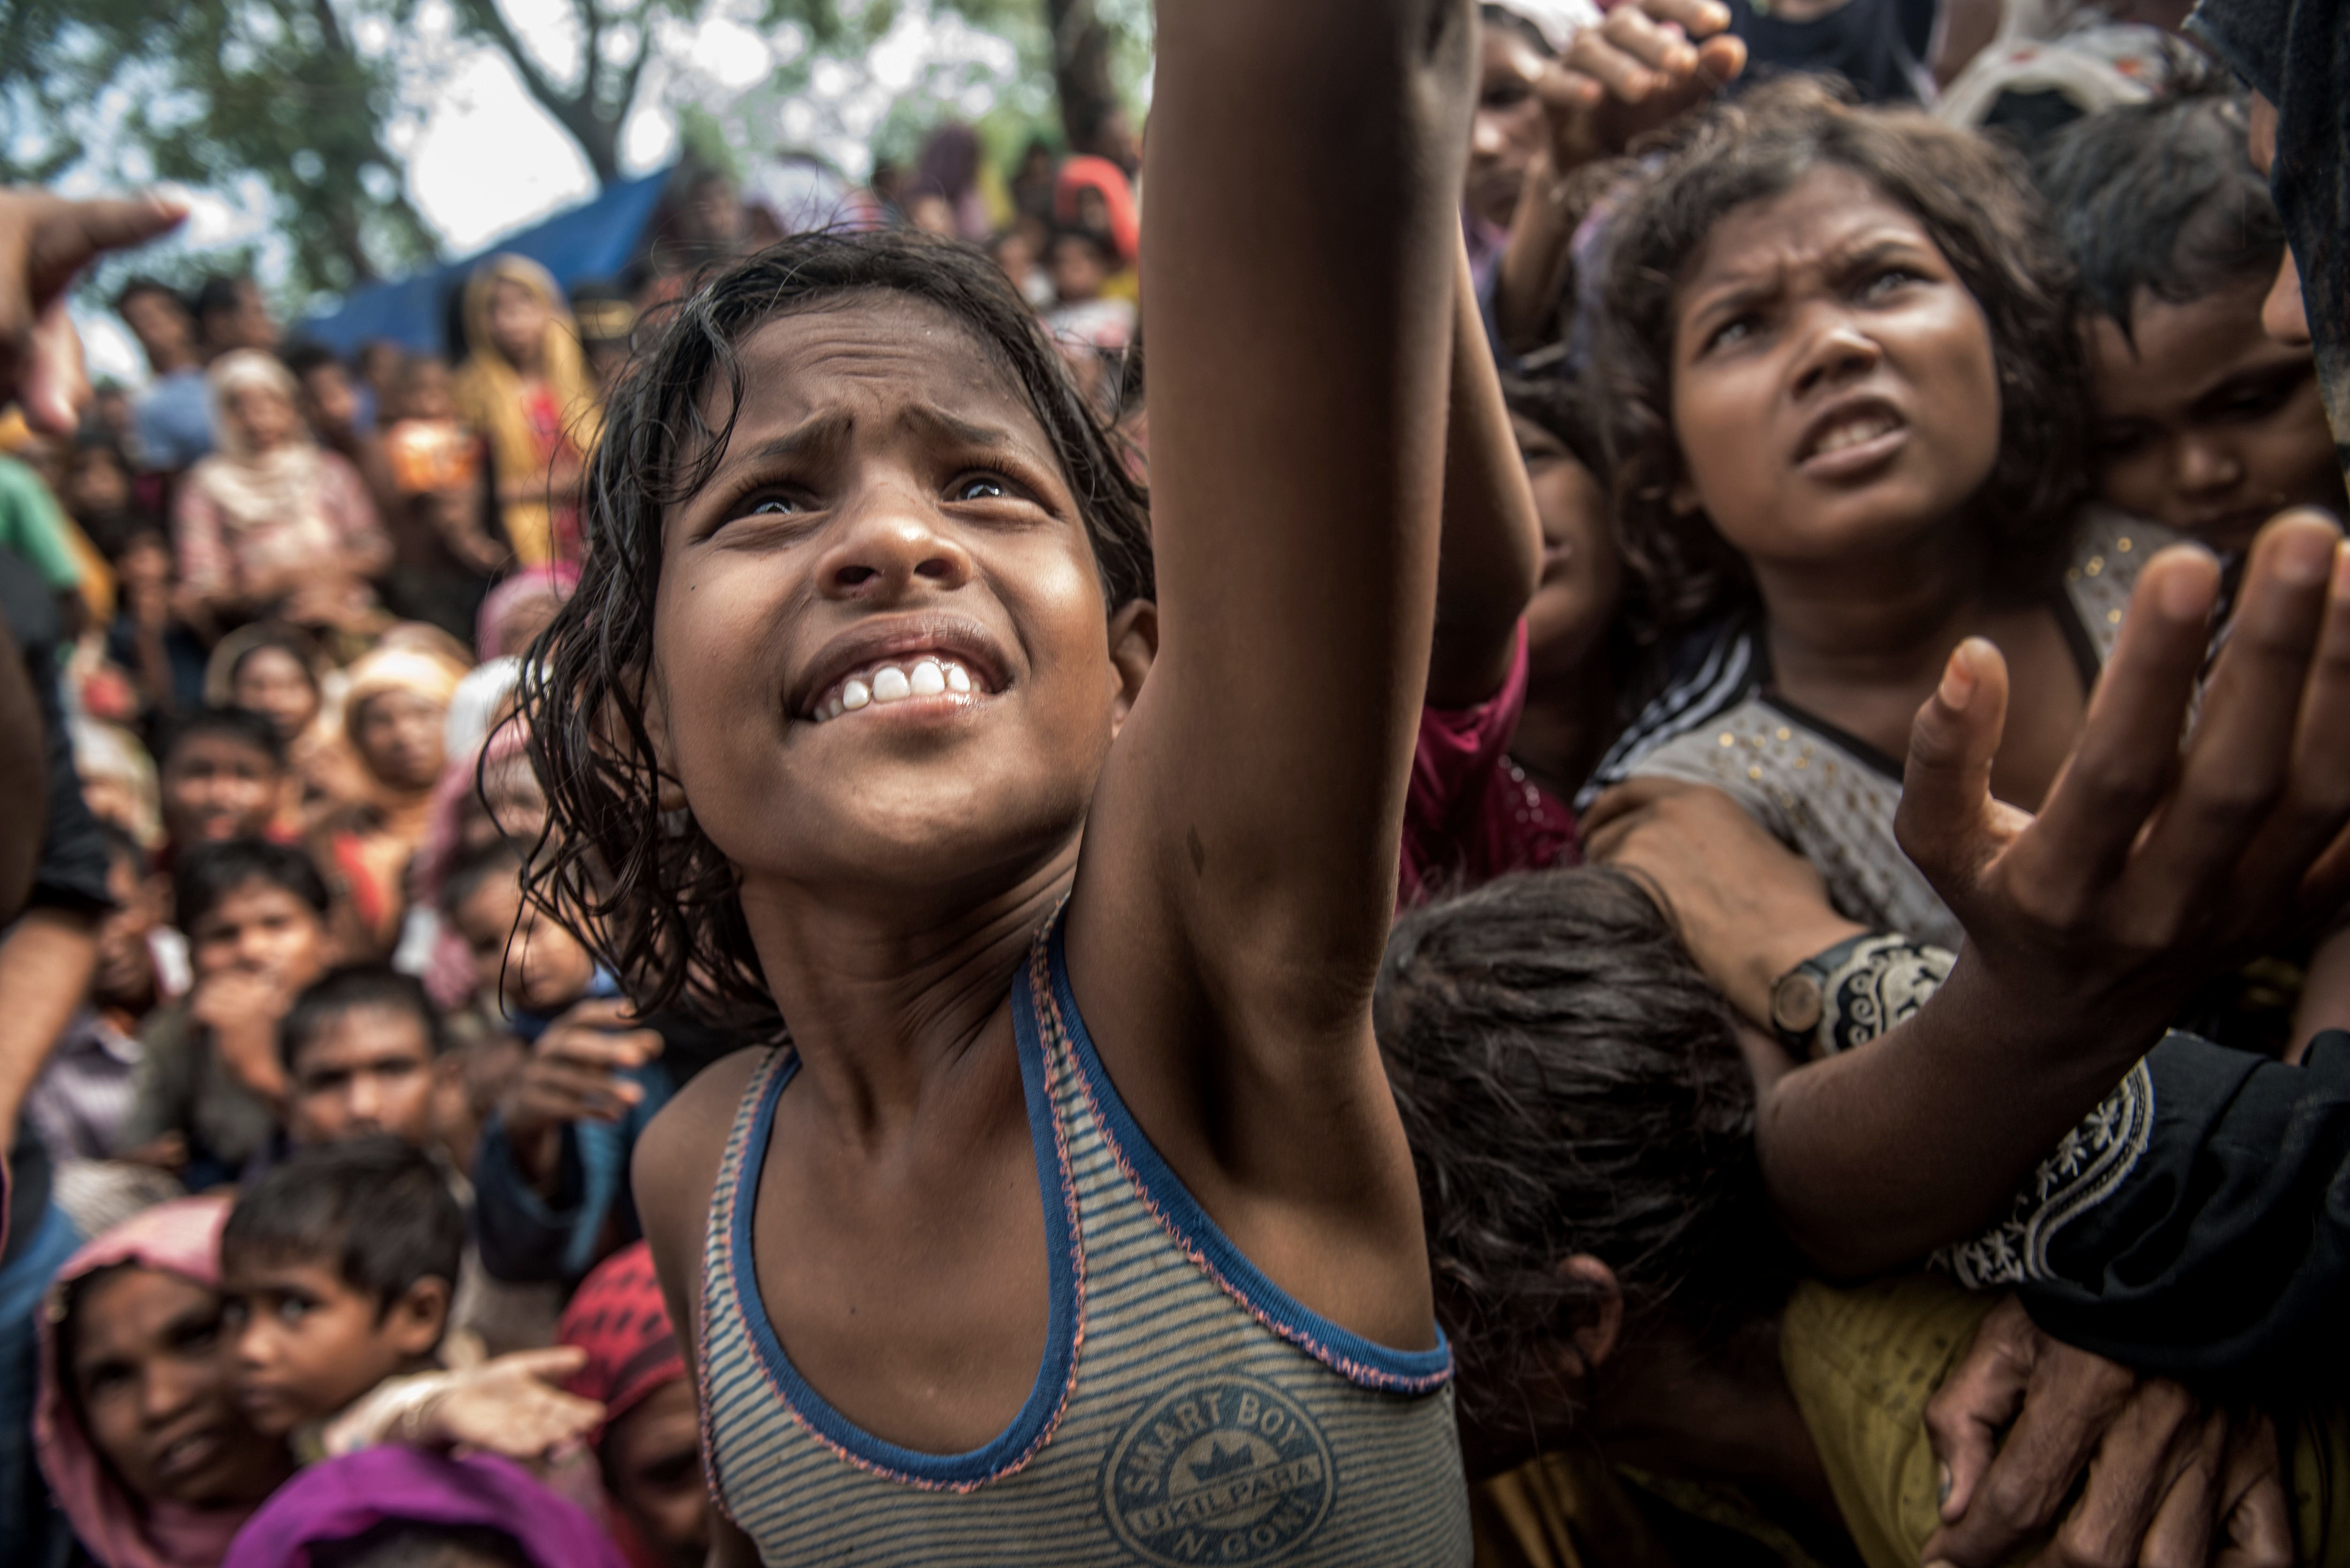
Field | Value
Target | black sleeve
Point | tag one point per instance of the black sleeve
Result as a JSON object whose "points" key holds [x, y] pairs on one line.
{"points": [[72, 869], [2207, 1237]]}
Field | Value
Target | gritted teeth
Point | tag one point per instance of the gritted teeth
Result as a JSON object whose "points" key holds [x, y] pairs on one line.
{"points": [[1865, 425], [929, 676]]}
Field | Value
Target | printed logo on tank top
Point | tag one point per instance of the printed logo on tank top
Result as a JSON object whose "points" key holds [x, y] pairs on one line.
{"points": [[1225, 1469]]}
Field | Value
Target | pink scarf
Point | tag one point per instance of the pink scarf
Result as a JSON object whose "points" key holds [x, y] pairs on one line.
{"points": [[183, 1238]]}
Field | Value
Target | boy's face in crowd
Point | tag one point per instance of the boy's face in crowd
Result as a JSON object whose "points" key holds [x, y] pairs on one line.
{"points": [[261, 930], [1835, 391], [519, 954], [329, 403], [366, 1070], [403, 737], [246, 324], [1582, 571], [160, 323], [652, 1463], [424, 391], [97, 485], [1509, 125], [307, 1343], [125, 975], [1078, 269], [217, 786], [933, 507], [2205, 423], [157, 1395], [271, 681]]}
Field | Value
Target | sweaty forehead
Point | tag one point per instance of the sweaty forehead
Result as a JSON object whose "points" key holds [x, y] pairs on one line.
{"points": [[871, 355]]}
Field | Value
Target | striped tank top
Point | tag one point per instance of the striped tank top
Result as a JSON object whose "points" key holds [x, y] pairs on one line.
{"points": [[1187, 1410]]}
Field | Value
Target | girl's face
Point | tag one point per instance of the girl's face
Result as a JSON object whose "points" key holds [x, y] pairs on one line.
{"points": [[517, 806], [261, 418], [403, 738], [151, 1376], [272, 682], [1582, 571], [884, 608], [518, 953], [2204, 423], [518, 319], [1835, 392]]}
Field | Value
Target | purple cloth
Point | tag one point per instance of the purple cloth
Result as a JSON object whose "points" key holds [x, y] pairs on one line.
{"points": [[337, 1498]]}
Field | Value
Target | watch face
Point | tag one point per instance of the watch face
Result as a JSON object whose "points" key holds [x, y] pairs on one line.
{"points": [[1796, 1003]]}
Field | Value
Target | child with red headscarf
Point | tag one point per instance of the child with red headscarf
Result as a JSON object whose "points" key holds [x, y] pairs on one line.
{"points": [[648, 1450]]}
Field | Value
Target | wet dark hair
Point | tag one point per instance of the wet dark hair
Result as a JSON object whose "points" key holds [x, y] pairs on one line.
{"points": [[209, 873], [349, 988], [378, 1207], [653, 900], [2160, 197], [286, 638], [1969, 194], [1570, 1082], [241, 724]]}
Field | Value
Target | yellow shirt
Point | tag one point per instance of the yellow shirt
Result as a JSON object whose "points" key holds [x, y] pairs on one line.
{"points": [[1862, 1363]]}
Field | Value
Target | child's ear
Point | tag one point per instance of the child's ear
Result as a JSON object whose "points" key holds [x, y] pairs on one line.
{"points": [[417, 1322], [1133, 645], [1601, 1322]]}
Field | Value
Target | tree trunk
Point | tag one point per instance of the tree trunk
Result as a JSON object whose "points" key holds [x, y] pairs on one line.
{"points": [[1081, 76]]}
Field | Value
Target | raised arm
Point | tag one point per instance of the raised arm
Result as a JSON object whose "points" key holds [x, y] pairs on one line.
{"points": [[1490, 554], [1240, 857]]}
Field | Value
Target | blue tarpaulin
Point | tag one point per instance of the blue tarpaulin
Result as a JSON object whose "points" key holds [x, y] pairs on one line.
{"points": [[592, 241]]}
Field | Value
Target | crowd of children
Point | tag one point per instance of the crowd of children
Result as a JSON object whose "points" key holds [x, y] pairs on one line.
{"points": [[1647, 867]]}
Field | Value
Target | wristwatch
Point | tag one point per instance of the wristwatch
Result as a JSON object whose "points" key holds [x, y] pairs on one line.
{"points": [[1799, 1000], [1854, 992]]}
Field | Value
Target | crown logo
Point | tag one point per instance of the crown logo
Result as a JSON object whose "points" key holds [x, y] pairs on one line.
{"points": [[1220, 1463]]}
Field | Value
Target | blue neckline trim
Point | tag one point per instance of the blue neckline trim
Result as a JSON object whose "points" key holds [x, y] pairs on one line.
{"points": [[1017, 1441], [1329, 1343]]}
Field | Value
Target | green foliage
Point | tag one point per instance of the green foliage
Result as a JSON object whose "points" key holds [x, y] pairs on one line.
{"points": [[214, 92]]}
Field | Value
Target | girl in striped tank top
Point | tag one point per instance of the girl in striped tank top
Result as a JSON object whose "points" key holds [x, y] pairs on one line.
{"points": [[1073, 1221]]}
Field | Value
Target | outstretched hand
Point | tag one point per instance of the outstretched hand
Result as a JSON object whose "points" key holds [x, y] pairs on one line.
{"points": [[2151, 865], [1648, 63], [44, 240], [2162, 1477], [513, 1406]]}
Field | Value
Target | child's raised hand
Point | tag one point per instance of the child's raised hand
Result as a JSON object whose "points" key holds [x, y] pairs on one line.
{"points": [[1649, 62], [2150, 867], [574, 1074], [512, 1405]]}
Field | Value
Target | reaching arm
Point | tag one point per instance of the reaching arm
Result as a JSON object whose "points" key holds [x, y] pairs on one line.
{"points": [[2149, 870], [1491, 557], [1240, 856], [44, 968]]}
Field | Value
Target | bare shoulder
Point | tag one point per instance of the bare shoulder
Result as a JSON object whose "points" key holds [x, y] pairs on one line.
{"points": [[675, 1170]]}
